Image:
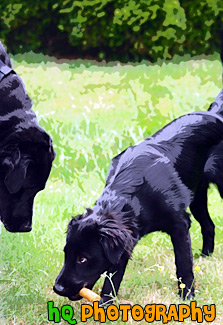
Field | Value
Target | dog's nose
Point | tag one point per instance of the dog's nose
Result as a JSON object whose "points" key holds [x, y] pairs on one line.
{"points": [[26, 228], [59, 289]]}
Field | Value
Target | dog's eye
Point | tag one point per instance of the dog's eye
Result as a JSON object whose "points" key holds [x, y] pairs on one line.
{"points": [[81, 260]]}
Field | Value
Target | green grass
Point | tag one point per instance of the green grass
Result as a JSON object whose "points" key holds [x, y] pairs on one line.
{"points": [[93, 112]]}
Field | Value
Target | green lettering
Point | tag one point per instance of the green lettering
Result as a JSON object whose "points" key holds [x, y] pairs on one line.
{"points": [[67, 313], [53, 312]]}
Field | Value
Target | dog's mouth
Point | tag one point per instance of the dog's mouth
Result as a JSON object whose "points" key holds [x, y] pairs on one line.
{"points": [[75, 298], [15, 226], [19, 228], [60, 290]]}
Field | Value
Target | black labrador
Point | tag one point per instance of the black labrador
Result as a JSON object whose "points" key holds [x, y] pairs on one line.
{"points": [[148, 188], [26, 151]]}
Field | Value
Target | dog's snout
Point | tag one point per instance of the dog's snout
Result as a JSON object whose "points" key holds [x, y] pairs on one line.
{"points": [[64, 286], [17, 228]]}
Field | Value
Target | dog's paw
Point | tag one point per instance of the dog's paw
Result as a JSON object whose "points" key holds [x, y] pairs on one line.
{"points": [[106, 301], [186, 294], [206, 253]]}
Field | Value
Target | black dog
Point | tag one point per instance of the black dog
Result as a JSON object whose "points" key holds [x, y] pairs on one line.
{"points": [[149, 187], [26, 151]]}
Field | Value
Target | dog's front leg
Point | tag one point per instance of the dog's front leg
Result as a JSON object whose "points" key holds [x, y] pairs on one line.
{"points": [[199, 208], [180, 237], [112, 281]]}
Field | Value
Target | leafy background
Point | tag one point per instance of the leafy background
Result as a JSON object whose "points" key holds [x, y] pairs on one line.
{"points": [[121, 30]]}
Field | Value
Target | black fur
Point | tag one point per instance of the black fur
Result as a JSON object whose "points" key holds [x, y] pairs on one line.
{"points": [[26, 152], [148, 188]]}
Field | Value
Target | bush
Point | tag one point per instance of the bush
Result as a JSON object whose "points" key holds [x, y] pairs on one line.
{"points": [[112, 29]]}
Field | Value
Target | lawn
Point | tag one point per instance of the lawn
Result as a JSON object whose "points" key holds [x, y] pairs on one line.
{"points": [[93, 112]]}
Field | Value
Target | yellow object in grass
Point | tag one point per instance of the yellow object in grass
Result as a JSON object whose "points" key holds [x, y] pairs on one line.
{"points": [[182, 286], [89, 295]]}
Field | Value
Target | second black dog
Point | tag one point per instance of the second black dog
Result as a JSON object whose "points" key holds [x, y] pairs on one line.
{"points": [[149, 187], [26, 151]]}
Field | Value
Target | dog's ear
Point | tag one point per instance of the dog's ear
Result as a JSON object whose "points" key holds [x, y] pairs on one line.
{"points": [[115, 239], [16, 170], [113, 251], [4, 56]]}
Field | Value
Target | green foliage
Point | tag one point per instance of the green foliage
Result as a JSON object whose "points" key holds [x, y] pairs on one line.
{"points": [[112, 29]]}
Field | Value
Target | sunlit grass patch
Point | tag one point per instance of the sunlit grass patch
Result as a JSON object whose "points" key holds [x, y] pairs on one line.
{"points": [[94, 112]]}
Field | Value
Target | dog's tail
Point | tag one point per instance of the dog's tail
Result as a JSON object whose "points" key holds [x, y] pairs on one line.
{"points": [[217, 106], [214, 165]]}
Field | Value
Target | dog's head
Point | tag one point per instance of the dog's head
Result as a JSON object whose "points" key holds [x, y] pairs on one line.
{"points": [[93, 244], [24, 170], [26, 152]]}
